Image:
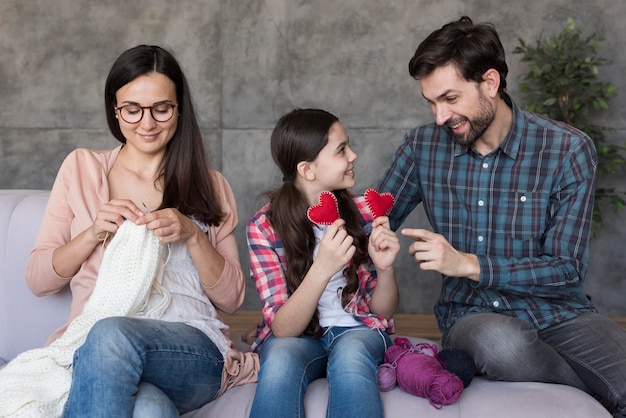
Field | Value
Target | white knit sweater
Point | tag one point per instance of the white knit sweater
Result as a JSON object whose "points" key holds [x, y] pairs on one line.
{"points": [[36, 383]]}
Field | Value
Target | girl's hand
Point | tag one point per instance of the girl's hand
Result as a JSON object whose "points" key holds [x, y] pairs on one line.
{"points": [[336, 249], [111, 216], [249, 336], [169, 225], [383, 246]]}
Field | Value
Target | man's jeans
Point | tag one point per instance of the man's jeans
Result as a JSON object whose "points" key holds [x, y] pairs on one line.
{"points": [[349, 357], [587, 352], [177, 367]]}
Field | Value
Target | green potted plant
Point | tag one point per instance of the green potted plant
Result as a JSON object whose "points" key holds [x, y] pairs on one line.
{"points": [[562, 83]]}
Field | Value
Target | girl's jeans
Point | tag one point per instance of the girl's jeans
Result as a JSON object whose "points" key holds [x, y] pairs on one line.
{"points": [[587, 352], [177, 367], [348, 357]]}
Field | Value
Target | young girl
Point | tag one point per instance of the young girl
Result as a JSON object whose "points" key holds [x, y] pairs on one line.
{"points": [[328, 292]]}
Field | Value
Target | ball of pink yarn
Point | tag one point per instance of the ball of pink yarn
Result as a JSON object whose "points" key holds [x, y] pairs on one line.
{"points": [[394, 352], [386, 377], [423, 375], [419, 371]]}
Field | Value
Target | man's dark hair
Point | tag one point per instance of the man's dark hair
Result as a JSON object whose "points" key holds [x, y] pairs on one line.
{"points": [[471, 48]]}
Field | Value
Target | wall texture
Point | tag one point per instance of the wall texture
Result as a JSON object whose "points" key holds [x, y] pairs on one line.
{"points": [[248, 63]]}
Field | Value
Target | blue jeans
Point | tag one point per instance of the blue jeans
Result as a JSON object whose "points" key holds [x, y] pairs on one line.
{"points": [[587, 352], [348, 357], [167, 367]]}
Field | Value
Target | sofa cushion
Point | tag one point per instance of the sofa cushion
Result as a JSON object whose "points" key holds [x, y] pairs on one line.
{"points": [[483, 398]]}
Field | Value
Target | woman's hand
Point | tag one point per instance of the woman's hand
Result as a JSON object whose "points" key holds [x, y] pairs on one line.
{"points": [[69, 257], [111, 216], [169, 225]]}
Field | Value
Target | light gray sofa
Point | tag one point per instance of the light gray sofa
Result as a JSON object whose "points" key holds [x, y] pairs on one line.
{"points": [[26, 321]]}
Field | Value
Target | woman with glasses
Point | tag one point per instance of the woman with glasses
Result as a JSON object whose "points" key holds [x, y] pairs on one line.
{"points": [[158, 177]]}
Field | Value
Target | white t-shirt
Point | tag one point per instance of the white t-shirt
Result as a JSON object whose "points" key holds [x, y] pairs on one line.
{"points": [[329, 306]]}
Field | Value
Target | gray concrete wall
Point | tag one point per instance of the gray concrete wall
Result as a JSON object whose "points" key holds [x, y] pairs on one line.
{"points": [[250, 61]]}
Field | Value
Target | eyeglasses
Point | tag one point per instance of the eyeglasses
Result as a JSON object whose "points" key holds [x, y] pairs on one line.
{"points": [[161, 112]]}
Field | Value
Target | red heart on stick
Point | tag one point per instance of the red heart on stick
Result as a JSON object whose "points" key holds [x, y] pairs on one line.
{"points": [[380, 204], [326, 212]]}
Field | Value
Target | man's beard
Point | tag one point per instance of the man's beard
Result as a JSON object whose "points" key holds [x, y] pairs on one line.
{"points": [[478, 125]]}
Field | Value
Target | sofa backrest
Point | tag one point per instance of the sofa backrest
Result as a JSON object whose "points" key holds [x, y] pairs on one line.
{"points": [[26, 321]]}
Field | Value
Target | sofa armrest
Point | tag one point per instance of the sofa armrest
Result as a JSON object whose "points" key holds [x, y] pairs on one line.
{"points": [[26, 321]]}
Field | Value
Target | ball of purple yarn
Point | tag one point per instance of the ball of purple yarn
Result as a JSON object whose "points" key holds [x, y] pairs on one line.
{"points": [[395, 352], [386, 377], [425, 376]]}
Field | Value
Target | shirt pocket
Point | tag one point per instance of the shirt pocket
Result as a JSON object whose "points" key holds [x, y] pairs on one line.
{"points": [[521, 215]]}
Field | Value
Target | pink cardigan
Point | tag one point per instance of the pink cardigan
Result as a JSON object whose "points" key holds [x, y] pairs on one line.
{"points": [[79, 191]]}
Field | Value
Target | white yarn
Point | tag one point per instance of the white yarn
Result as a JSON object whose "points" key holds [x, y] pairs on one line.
{"points": [[158, 310], [36, 383]]}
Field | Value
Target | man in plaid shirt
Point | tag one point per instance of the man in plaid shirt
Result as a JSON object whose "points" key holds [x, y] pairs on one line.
{"points": [[509, 196]]}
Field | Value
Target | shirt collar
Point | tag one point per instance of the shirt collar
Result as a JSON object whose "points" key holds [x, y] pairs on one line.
{"points": [[511, 144]]}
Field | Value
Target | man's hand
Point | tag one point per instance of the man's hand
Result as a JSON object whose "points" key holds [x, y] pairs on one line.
{"points": [[433, 252]]}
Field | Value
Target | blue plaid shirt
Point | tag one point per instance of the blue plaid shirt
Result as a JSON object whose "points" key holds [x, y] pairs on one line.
{"points": [[525, 211]]}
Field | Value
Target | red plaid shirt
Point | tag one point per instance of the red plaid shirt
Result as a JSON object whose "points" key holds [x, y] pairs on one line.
{"points": [[267, 269]]}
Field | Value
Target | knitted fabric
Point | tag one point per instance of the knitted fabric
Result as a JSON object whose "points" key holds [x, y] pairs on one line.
{"points": [[36, 383]]}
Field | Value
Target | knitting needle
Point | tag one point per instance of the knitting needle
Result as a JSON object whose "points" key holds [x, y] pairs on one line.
{"points": [[145, 207]]}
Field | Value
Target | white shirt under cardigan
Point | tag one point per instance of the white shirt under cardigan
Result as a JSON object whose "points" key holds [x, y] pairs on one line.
{"points": [[189, 304]]}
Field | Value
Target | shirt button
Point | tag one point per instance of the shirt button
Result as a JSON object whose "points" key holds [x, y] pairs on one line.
{"points": [[523, 198], [481, 203], [480, 238], [496, 304], [485, 165]]}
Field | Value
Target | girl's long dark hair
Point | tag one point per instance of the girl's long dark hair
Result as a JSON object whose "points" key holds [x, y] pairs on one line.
{"points": [[187, 183], [299, 136]]}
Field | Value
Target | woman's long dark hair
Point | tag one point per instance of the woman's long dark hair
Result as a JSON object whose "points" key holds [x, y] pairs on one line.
{"points": [[187, 184], [299, 136]]}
